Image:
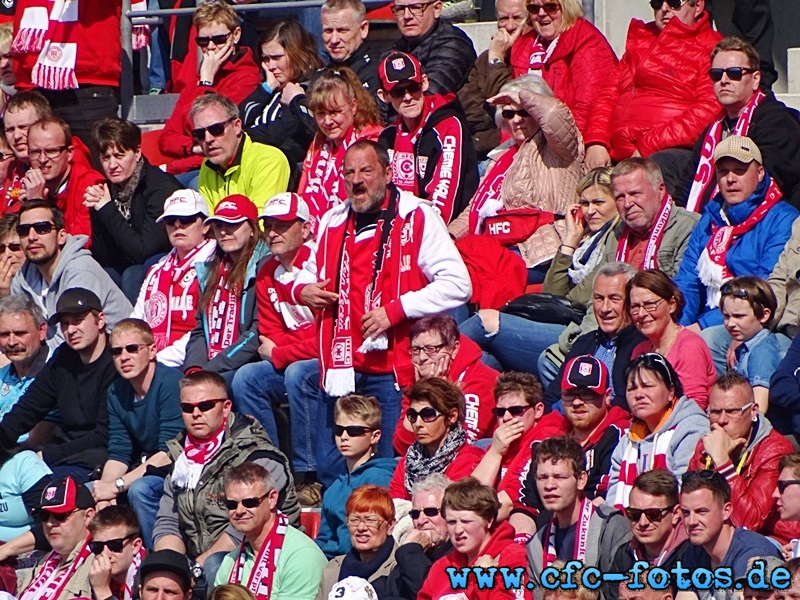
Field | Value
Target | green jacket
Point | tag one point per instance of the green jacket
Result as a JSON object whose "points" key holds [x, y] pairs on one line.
{"points": [[199, 516], [258, 171]]}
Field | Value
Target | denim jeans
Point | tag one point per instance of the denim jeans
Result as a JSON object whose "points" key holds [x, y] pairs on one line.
{"points": [[159, 53], [190, 179], [255, 387], [719, 340], [517, 343], [144, 496]]}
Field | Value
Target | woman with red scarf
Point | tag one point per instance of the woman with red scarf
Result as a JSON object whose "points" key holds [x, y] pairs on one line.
{"points": [[226, 334]]}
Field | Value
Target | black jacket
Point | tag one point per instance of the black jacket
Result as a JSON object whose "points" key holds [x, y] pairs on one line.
{"points": [[775, 129], [627, 340], [365, 62], [446, 54], [623, 561], [120, 243], [413, 564]]}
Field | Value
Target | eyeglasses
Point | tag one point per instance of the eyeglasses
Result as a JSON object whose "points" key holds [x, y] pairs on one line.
{"points": [[549, 8], [730, 412], [40, 227], [514, 411], [184, 221], [654, 515], [727, 290], [215, 129], [733, 73], [115, 546], [204, 406], [428, 511], [584, 396], [352, 430], [400, 91], [203, 41], [416, 10], [784, 483], [6, 155], [354, 522], [427, 414], [650, 306], [129, 348], [51, 153], [246, 502], [46, 515], [510, 114], [12, 247], [429, 350]]}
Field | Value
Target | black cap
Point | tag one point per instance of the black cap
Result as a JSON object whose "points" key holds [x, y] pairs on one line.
{"points": [[64, 496], [75, 301], [167, 560]]}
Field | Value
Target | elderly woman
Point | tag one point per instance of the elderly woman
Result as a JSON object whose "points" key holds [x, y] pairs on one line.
{"points": [[570, 53], [479, 540], [655, 304], [124, 210], [370, 519], [277, 113], [436, 414], [345, 113], [665, 429]]}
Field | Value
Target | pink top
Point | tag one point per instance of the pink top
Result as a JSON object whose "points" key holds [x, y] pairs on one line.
{"points": [[691, 359]]}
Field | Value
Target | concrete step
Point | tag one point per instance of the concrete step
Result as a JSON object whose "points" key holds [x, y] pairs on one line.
{"points": [[791, 100], [793, 70]]}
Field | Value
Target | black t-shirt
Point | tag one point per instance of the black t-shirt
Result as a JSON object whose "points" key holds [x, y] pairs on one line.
{"points": [[565, 542]]}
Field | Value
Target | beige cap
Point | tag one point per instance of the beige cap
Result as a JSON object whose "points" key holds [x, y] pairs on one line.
{"points": [[738, 148]]}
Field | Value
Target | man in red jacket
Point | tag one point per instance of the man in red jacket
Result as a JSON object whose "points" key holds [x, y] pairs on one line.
{"points": [[660, 96]]}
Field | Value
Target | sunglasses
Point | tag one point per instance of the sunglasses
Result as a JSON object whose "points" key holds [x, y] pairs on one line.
{"points": [[204, 40], [510, 114], [427, 414], [204, 406], [129, 348], [40, 227], [215, 129], [585, 396], [115, 546], [428, 511], [352, 430], [704, 474], [46, 515], [12, 247], [246, 502], [654, 515], [733, 73], [728, 290], [549, 8], [514, 411], [784, 483], [400, 91], [184, 221], [673, 4]]}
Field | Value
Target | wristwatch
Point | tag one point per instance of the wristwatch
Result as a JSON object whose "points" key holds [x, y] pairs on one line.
{"points": [[203, 83], [197, 571], [497, 61], [119, 483]]}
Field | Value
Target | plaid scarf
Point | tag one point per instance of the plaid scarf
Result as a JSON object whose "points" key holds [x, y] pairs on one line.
{"points": [[419, 465]]}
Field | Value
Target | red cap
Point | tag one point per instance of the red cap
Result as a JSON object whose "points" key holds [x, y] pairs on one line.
{"points": [[64, 496], [585, 371], [235, 208], [397, 68]]}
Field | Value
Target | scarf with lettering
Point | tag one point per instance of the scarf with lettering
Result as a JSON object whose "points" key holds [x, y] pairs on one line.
{"points": [[265, 563], [124, 591], [581, 534], [487, 200], [705, 168], [629, 467], [712, 266], [419, 465], [50, 581], [196, 455], [653, 240], [222, 312]]}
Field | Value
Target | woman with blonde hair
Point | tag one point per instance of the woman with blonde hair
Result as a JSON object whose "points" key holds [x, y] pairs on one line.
{"points": [[345, 113], [231, 591], [7, 78]]}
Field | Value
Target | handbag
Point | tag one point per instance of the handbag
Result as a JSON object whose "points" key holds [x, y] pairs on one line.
{"points": [[543, 308]]}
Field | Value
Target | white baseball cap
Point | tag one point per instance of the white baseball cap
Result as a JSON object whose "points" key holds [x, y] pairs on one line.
{"points": [[286, 206], [353, 588], [184, 203]]}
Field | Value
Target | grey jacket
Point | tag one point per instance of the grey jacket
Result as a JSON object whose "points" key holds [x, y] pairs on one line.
{"points": [[75, 268]]}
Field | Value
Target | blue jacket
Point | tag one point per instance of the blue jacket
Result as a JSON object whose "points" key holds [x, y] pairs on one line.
{"points": [[754, 253], [784, 390], [333, 537]]}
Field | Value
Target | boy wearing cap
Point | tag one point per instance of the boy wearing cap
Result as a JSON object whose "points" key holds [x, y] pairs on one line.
{"points": [[170, 294], [429, 144], [742, 231]]}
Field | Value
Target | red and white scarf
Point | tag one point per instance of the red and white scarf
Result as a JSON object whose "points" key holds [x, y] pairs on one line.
{"points": [[581, 535], [712, 266], [265, 563], [705, 168], [124, 591], [196, 455], [539, 55], [653, 241], [629, 467], [487, 200], [50, 581], [222, 313]]}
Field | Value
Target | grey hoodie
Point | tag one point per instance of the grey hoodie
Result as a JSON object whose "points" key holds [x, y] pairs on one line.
{"points": [[75, 268]]}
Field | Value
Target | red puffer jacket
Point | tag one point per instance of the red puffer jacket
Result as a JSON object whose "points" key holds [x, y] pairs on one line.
{"points": [[579, 69], [662, 97]]}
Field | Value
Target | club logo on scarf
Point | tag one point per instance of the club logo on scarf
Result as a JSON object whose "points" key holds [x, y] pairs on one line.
{"points": [[406, 235], [403, 164], [342, 349], [54, 53], [155, 309]]}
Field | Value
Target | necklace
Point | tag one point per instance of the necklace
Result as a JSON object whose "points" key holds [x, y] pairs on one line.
{"points": [[671, 343]]}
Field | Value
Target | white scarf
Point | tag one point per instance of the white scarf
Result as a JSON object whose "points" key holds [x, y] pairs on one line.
{"points": [[195, 456]]}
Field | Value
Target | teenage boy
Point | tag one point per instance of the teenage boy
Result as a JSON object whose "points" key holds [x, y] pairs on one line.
{"points": [[357, 430], [118, 553]]}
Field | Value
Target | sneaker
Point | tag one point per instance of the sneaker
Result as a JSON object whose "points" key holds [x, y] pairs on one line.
{"points": [[309, 494], [155, 91]]}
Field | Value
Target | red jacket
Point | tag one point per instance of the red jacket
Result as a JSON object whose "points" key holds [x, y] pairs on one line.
{"points": [[70, 199], [661, 95], [751, 489], [235, 80], [477, 381], [462, 466], [578, 69], [501, 545]]}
